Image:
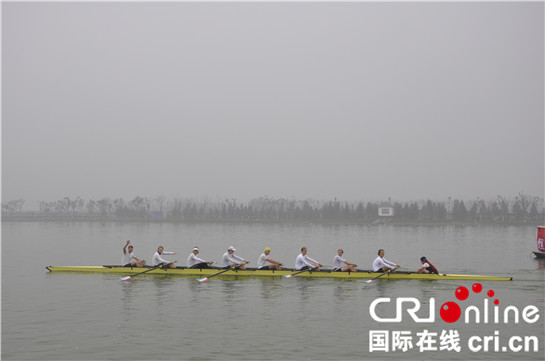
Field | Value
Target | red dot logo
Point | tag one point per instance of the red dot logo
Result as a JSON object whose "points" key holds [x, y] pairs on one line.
{"points": [[496, 302], [450, 312], [477, 287], [461, 293], [490, 293]]}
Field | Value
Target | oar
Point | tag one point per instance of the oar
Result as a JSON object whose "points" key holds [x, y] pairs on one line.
{"points": [[136, 274], [296, 273], [371, 280], [139, 273], [216, 274]]}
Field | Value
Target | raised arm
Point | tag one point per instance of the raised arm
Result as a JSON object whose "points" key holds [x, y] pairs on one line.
{"points": [[125, 247]]}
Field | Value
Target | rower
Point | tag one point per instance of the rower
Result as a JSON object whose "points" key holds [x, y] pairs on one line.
{"points": [[338, 261], [266, 263], [230, 259], [129, 259], [381, 264], [303, 262], [158, 260], [194, 261], [427, 267]]}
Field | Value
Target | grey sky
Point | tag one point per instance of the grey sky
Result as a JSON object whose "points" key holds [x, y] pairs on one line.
{"points": [[307, 100]]}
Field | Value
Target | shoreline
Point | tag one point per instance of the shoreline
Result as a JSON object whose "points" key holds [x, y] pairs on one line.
{"points": [[341, 222]]}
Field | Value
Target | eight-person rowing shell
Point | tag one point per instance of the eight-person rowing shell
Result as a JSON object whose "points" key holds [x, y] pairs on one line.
{"points": [[303, 263]]}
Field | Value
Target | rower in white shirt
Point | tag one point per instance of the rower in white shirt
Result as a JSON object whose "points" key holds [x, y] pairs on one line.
{"points": [[266, 263], [158, 260], [230, 259], [129, 259], [303, 262], [194, 261], [338, 261], [381, 264]]}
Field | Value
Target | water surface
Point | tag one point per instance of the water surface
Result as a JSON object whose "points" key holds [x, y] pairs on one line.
{"points": [[48, 316]]}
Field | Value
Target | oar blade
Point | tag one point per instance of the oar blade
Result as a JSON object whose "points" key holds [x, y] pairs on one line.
{"points": [[288, 276], [369, 281], [125, 278], [202, 279]]}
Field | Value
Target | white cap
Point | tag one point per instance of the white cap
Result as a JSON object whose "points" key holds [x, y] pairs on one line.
{"points": [[231, 248], [196, 249]]}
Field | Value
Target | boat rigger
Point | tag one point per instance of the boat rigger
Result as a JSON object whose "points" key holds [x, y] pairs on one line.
{"points": [[196, 272]]}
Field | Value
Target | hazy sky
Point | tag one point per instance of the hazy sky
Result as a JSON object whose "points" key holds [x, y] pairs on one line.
{"points": [[354, 101]]}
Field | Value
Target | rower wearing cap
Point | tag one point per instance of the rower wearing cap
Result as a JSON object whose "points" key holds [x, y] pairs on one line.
{"points": [[230, 259], [129, 259], [303, 262], [194, 261], [266, 263], [427, 267], [381, 264]]}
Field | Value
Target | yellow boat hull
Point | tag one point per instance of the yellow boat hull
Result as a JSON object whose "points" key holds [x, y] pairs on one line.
{"points": [[195, 272]]}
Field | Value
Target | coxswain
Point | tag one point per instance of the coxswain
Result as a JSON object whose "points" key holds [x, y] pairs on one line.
{"points": [[427, 267]]}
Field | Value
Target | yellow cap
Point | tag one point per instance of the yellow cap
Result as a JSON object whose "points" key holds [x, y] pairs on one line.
{"points": [[267, 249]]}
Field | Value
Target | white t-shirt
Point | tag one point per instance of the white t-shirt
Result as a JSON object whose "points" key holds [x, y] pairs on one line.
{"points": [[262, 261], [302, 261], [193, 259], [382, 262], [229, 259], [127, 258], [338, 262], [157, 259]]}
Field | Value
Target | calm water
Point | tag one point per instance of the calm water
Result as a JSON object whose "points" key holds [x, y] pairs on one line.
{"points": [[49, 316]]}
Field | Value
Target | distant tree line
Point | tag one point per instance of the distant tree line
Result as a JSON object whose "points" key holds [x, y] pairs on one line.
{"points": [[502, 209]]}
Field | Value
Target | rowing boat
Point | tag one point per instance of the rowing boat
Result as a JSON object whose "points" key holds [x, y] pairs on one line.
{"points": [[540, 243], [196, 272]]}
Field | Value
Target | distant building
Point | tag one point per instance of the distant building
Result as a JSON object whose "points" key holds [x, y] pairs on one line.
{"points": [[386, 210]]}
